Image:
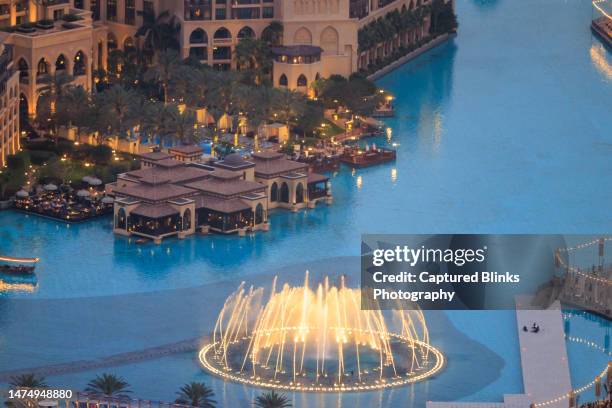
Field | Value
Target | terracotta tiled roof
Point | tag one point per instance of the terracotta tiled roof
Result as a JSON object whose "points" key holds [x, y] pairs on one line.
{"points": [[316, 178], [222, 205], [270, 167], [222, 174], [226, 187], [267, 155], [187, 149], [155, 156], [172, 175], [154, 192], [169, 163], [154, 211]]}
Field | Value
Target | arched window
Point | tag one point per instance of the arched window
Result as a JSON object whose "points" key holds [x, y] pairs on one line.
{"points": [[60, 63], [259, 214], [282, 81], [198, 36], [23, 105], [111, 42], [43, 67], [274, 192], [121, 220], [128, 44], [329, 40], [411, 5], [23, 68], [246, 32], [187, 219], [302, 81], [79, 64], [284, 193], [299, 193], [222, 34], [302, 36]]}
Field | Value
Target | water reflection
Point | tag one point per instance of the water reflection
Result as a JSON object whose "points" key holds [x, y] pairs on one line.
{"points": [[486, 5], [17, 284], [601, 60]]}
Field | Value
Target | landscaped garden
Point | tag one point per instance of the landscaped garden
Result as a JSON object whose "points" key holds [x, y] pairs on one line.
{"points": [[149, 94]]}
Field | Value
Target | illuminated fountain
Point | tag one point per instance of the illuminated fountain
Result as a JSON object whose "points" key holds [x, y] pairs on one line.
{"points": [[317, 339]]}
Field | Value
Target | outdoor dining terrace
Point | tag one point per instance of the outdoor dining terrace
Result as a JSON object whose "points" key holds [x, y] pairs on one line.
{"points": [[64, 203]]}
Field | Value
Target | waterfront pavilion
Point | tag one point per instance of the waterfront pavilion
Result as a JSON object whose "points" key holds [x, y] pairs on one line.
{"points": [[167, 197]]}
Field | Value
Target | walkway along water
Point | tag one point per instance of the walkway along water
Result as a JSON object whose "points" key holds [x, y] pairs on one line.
{"points": [[110, 361]]}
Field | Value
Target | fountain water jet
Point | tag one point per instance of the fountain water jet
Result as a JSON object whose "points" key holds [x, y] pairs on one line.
{"points": [[317, 339]]}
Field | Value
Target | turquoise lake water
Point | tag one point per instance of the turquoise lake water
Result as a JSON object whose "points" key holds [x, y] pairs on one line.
{"points": [[505, 129]]}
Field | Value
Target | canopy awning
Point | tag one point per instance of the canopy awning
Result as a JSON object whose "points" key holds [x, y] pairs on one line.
{"points": [[19, 260]]}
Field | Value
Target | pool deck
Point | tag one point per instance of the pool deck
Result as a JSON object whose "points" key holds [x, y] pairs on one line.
{"points": [[546, 374]]}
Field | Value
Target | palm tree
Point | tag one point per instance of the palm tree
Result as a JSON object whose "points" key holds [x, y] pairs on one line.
{"points": [[197, 395], [290, 104], [254, 55], [50, 92], [164, 70], [120, 104], [55, 84], [30, 380], [189, 85], [272, 400], [159, 32], [273, 33], [108, 385], [184, 123], [72, 107], [163, 120]]}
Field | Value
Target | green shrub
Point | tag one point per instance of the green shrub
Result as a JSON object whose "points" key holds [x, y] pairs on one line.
{"points": [[71, 17], [18, 162], [101, 154], [40, 157]]}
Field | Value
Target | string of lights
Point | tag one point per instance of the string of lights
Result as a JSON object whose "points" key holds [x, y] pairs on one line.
{"points": [[576, 270], [590, 384], [596, 4]]}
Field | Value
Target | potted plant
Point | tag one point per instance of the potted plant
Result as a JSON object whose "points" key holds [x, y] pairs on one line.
{"points": [[26, 28], [45, 24], [71, 17]]}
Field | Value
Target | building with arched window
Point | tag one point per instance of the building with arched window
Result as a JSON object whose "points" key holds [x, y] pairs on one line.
{"points": [[313, 39], [169, 197], [208, 30], [9, 105]]}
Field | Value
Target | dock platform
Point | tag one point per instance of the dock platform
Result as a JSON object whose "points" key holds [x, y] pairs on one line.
{"points": [[544, 363]]}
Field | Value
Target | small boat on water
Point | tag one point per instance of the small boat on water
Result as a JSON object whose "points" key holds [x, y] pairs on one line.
{"points": [[16, 266], [357, 157], [141, 241], [17, 269]]}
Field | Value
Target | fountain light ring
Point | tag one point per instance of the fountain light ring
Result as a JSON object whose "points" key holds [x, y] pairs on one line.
{"points": [[206, 360]]}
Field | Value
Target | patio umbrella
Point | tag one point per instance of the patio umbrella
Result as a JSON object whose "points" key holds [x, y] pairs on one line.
{"points": [[86, 179], [107, 200], [83, 193], [22, 194], [94, 181], [50, 187]]}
